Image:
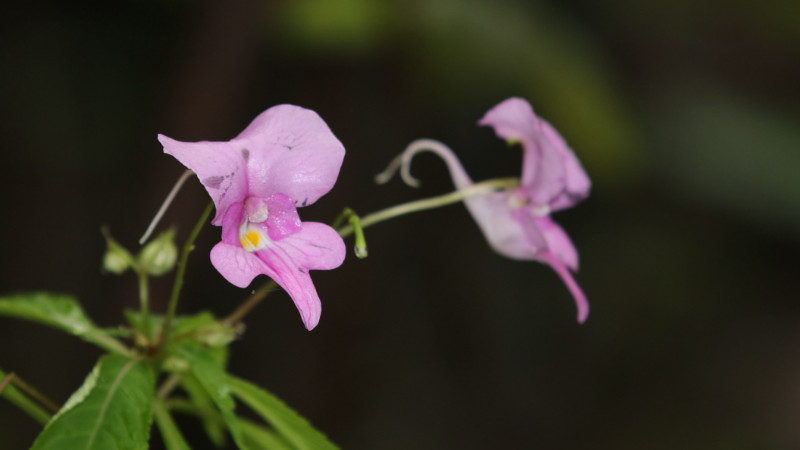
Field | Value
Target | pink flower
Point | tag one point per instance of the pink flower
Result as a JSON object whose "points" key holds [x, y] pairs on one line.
{"points": [[517, 223], [285, 159]]}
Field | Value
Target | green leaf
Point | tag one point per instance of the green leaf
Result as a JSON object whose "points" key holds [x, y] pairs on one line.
{"points": [[61, 312], [203, 401], [295, 429], [211, 375], [13, 395], [112, 410], [258, 437], [170, 434]]}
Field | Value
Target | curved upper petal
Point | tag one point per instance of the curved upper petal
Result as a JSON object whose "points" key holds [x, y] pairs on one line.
{"points": [[290, 150], [551, 174], [576, 182], [219, 166]]}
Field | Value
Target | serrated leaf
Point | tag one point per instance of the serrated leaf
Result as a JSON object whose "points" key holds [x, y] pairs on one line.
{"points": [[211, 375], [111, 411], [62, 312], [294, 428], [170, 434], [258, 437]]}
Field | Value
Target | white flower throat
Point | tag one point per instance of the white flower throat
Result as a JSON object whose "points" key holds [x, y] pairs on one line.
{"points": [[252, 232]]}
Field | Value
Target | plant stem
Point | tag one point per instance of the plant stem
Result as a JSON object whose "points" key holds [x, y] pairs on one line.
{"points": [[144, 301], [178, 284], [13, 395], [249, 304], [432, 202]]}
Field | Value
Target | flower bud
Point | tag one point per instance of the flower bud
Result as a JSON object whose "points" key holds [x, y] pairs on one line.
{"points": [[116, 260], [159, 256]]}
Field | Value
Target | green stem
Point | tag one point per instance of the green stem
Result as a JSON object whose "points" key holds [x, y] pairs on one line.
{"points": [[249, 304], [176, 287], [431, 203], [144, 302], [13, 395]]}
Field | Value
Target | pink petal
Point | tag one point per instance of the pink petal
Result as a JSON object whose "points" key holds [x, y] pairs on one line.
{"points": [[231, 222], [236, 264], [283, 219], [542, 170], [558, 242], [316, 247], [576, 182], [490, 211], [577, 293], [499, 226], [291, 151], [218, 165]]}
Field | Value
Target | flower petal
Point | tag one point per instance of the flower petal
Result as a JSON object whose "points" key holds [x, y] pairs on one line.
{"points": [[283, 219], [566, 277], [558, 242], [236, 264], [316, 247], [291, 150], [576, 181], [542, 171], [220, 166], [551, 173]]}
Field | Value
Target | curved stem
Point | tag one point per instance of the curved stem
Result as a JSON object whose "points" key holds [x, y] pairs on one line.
{"points": [[176, 287], [432, 202]]}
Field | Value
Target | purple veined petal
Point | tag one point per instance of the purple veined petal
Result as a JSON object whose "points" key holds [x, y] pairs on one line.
{"points": [[236, 264], [576, 291], [288, 262], [316, 247], [290, 150], [220, 168], [240, 267], [558, 242], [576, 181]]}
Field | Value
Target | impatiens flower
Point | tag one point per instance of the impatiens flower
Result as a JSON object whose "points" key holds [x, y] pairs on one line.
{"points": [[517, 222], [285, 159]]}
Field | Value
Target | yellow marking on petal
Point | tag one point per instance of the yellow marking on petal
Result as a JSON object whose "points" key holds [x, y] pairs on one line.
{"points": [[252, 239]]}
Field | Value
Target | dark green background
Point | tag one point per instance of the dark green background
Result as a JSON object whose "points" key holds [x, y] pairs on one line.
{"points": [[684, 113]]}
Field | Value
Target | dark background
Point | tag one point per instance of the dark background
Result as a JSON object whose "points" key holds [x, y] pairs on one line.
{"points": [[684, 113]]}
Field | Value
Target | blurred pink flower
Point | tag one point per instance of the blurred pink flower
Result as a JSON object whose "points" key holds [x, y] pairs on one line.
{"points": [[517, 223], [285, 159]]}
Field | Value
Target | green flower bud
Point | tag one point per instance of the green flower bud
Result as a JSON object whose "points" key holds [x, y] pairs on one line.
{"points": [[116, 260], [160, 255]]}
